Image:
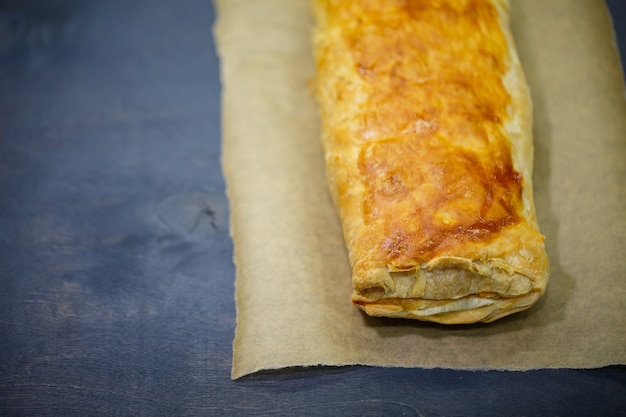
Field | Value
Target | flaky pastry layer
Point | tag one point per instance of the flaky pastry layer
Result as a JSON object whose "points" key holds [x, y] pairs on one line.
{"points": [[427, 130]]}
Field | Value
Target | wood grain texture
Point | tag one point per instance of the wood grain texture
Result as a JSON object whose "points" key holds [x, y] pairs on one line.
{"points": [[111, 301]]}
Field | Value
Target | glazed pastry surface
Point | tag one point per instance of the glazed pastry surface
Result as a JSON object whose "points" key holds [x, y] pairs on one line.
{"points": [[427, 129]]}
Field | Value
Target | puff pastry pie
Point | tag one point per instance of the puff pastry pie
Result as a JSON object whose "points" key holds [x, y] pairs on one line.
{"points": [[427, 132]]}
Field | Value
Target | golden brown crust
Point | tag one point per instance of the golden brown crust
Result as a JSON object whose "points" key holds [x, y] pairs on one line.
{"points": [[426, 121]]}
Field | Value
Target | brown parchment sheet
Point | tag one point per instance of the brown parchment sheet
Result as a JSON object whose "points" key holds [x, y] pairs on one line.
{"points": [[293, 280]]}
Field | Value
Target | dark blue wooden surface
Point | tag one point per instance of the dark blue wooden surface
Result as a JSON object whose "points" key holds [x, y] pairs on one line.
{"points": [[116, 280]]}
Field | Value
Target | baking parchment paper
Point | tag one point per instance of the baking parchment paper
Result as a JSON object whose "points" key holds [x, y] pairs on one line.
{"points": [[293, 279]]}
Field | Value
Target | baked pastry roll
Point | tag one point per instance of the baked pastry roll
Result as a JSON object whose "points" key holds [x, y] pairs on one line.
{"points": [[427, 132]]}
